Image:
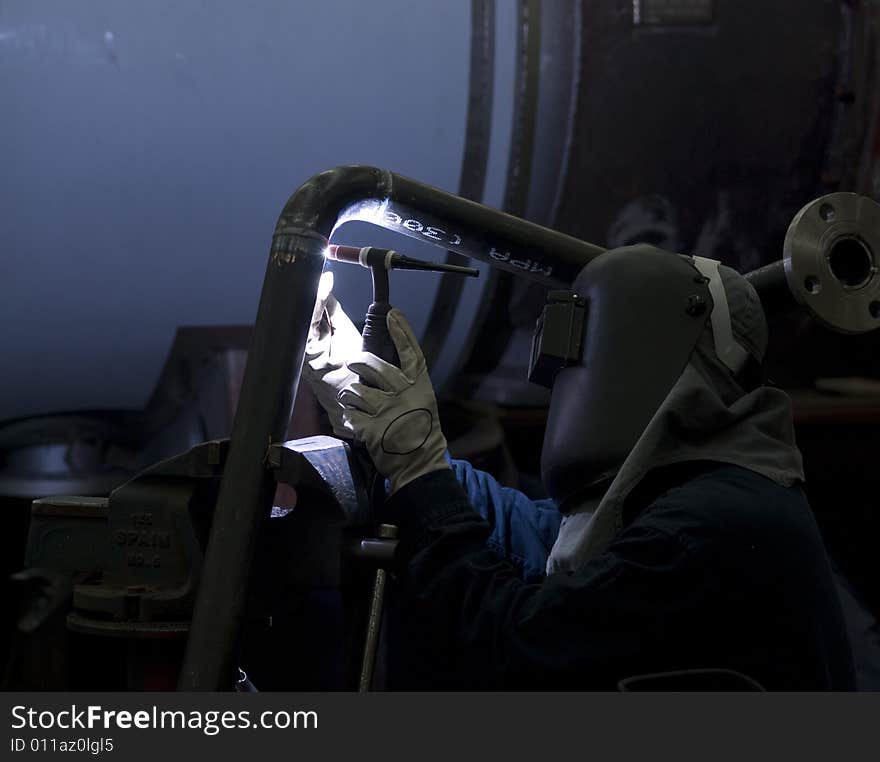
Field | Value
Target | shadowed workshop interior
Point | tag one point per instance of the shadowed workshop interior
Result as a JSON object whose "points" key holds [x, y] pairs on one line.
{"points": [[153, 154]]}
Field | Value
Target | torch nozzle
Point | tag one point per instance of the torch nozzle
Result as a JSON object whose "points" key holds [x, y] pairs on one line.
{"points": [[344, 254]]}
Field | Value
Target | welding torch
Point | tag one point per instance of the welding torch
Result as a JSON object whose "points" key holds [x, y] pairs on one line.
{"points": [[376, 338]]}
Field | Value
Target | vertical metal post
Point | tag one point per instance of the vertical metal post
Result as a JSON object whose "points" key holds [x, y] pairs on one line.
{"points": [[247, 489]]}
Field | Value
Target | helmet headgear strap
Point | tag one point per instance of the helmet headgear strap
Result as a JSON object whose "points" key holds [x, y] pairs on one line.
{"points": [[733, 354]]}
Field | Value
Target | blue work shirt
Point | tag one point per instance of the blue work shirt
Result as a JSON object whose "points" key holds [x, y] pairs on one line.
{"points": [[522, 530]]}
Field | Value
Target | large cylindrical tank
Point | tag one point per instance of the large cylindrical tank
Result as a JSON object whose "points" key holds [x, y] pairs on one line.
{"points": [[147, 149]]}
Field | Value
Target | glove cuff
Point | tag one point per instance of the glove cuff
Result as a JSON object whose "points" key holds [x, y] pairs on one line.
{"points": [[421, 465]]}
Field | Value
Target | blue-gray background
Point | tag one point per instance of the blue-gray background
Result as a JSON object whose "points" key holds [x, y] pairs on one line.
{"points": [[146, 149]]}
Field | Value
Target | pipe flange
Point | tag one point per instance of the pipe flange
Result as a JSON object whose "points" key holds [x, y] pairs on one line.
{"points": [[831, 256]]}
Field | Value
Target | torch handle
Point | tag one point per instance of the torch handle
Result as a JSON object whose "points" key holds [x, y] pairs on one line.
{"points": [[377, 340]]}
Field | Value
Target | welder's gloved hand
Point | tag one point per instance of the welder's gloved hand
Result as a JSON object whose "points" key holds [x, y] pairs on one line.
{"points": [[332, 340], [393, 411]]}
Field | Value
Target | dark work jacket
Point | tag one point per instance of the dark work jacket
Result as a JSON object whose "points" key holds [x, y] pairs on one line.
{"points": [[719, 568]]}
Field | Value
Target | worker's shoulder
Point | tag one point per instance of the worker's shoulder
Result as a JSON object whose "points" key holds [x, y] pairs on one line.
{"points": [[727, 501], [735, 484]]}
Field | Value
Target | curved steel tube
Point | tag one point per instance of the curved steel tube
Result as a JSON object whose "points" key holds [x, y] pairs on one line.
{"points": [[296, 259], [434, 216]]}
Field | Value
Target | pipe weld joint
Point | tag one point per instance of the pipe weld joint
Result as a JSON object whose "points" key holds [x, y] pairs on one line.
{"points": [[289, 244]]}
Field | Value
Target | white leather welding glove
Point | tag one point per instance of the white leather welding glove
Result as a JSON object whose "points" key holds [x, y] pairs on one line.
{"points": [[332, 340], [393, 411]]}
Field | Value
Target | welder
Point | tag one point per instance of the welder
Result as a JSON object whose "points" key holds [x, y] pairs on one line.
{"points": [[678, 540]]}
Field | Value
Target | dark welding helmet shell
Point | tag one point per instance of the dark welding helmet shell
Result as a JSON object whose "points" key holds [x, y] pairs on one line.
{"points": [[644, 310]]}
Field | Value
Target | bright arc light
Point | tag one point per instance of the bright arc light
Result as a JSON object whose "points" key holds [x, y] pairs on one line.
{"points": [[325, 285], [372, 211]]}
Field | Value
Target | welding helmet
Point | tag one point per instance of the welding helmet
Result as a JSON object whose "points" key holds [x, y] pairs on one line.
{"points": [[612, 348]]}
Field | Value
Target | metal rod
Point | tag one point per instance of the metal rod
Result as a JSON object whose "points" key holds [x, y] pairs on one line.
{"points": [[374, 623], [407, 263], [388, 535]]}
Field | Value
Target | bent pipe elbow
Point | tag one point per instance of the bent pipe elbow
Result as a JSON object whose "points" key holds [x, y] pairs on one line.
{"points": [[433, 216]]}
